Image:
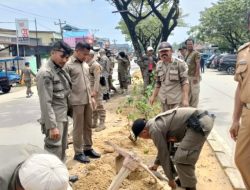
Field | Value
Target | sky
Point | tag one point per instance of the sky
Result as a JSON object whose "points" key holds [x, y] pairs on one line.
{"points": [[87, 14]]}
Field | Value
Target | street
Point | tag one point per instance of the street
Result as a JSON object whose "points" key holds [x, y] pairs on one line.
{"points": [[18, 114], [217, 96], [18, 118]]}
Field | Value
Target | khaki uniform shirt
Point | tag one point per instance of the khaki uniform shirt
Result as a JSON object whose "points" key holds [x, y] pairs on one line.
{"points": [[170, 79], [11, 157], [123, 64], [26, 74], [242, 74], [105, 63], [79, 74], [191, 59], [53, 85], [168, 124], [95, 73]]}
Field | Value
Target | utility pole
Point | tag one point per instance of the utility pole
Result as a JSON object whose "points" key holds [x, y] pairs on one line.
{"points": [[60, 25], [38, 58], [114, 41]]}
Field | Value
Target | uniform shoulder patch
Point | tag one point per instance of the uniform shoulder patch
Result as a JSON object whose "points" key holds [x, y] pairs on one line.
{"points": [[243, 46]]}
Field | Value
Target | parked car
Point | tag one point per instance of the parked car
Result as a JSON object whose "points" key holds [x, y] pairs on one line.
{"points": [[227, 63], [205, 56], [216, 60], [12, 76], [209, 61]]}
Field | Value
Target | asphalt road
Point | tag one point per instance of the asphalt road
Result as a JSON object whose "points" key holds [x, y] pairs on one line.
{"points": [[217, 96], [18, 114], [18, 118]]}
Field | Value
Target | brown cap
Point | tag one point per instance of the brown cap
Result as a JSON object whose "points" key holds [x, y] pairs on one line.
{"points": [[164, 46]]}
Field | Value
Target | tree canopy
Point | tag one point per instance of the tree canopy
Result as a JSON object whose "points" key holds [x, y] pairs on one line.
{"points": [[161, 15], [224, 24]]}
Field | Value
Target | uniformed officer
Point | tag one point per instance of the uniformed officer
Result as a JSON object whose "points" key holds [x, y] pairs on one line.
{"points": [[105, 63], [123, 69], [171, 80], [26, 76], [240, 131], [30, 167], [182, 52], [53, 85], [99, 113], [112, 65], [192, 59], [82, 103], [148, 65], [189, 126]]}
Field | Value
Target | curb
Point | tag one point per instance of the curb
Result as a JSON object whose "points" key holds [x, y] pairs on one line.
{"points": [[225, 161]]}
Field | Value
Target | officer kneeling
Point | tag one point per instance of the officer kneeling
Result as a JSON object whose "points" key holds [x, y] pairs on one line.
{"points": [[190, 127]]}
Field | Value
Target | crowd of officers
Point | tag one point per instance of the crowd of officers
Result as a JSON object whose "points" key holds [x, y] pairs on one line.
{"points": [[76, 83]]}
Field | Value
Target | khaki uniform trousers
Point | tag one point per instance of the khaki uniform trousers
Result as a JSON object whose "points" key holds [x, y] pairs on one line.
{"points": [[28, 85], [123, 79], [58, 147], [242, 152], [99, 112], [82, 123], [194, 92], [188, 153]]}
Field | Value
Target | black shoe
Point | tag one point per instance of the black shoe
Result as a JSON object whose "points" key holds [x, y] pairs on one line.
{"points": [[82, 158], [91, 153], [178, 182], [73, 178]]}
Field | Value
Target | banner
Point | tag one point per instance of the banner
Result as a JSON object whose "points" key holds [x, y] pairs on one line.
{"points": [[22, 28]]}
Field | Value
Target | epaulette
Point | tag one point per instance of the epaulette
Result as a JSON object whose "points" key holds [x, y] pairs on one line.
{"points": [[244, 46]]}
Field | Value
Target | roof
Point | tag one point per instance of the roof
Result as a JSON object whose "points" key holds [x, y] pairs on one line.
{"points": [[11, 59]]}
